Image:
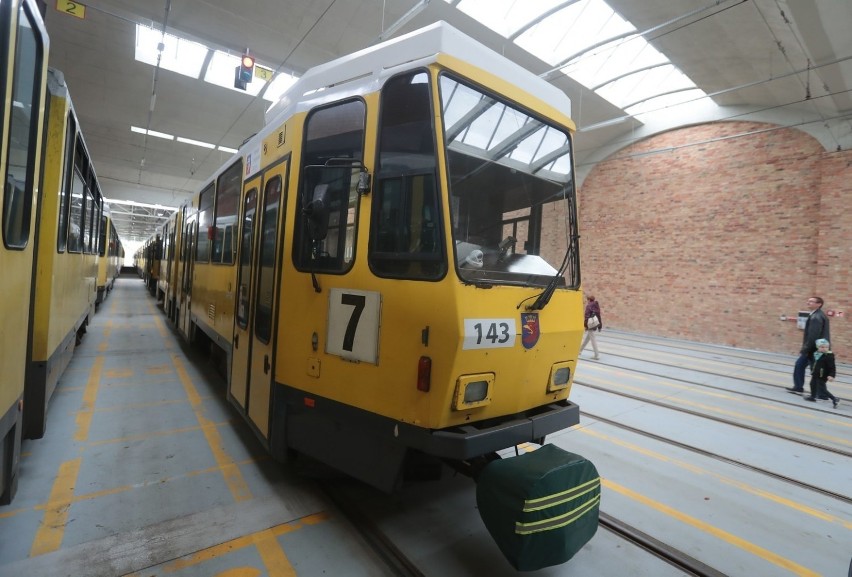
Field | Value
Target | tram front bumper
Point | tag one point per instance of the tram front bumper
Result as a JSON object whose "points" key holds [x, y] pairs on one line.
{"points": [[475, 439]]}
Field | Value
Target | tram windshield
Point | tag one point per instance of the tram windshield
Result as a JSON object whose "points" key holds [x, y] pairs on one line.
{"points": [[511, 191]]}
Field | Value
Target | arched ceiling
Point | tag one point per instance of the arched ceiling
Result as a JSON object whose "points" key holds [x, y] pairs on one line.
{"points": [[783, 61]]}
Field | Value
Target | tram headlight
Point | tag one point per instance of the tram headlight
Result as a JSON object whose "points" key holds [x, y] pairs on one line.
{"points": [[560, 376], [473, 391]]}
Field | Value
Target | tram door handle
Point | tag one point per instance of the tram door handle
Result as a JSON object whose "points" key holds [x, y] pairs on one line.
{"points": [[266, 364], [236, 341]]}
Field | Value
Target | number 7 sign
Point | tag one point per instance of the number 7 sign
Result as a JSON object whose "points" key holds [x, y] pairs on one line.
{"points": [[353, 324]]}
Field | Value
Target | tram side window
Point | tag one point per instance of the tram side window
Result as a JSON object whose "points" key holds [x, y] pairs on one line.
{"points": [[227, 202], [102, 240], [205, 222], [78, 194], [88, 221], [249, 210], [406, 233], [334, 149], [20, 149], [65, 190], [264, 300]]}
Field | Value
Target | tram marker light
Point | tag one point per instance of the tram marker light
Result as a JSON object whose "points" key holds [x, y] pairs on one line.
{"points": [[424, 374]]}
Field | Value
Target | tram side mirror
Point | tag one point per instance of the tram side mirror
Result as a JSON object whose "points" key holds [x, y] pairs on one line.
{"points": [[316, 212], [364, 183]]}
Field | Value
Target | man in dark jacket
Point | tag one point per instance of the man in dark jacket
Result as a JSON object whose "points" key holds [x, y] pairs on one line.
{"points": [[816, 327]]}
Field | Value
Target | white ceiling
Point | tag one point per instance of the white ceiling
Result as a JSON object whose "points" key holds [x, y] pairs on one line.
{"points": [[782, 61]]}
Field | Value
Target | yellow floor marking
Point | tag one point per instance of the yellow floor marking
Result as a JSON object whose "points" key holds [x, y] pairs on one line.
{"points": [[125, 488], [12, 513], [730, 538], [274, 559], [90, 395], [49, 536], [165, 333], [151, 434], [266, 537], [122, 373], [105, 344], [140, 406], [231, 472], [822, 515], [159, 370]]}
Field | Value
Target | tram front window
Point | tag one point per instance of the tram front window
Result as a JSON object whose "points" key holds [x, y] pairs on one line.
{"points": [[511, 191]]}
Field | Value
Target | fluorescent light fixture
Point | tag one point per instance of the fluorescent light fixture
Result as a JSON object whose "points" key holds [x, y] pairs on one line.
{"points": [[152, 133], [141, 204], [195, 142], [230, 150]]}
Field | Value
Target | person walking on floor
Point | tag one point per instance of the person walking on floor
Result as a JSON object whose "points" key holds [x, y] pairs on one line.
{"points": [[816, 327], [593, 323], [824, 370]]}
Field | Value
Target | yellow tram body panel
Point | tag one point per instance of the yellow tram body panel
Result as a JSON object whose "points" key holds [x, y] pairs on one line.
{"points": [[412, 311], [213, 298], [66, 282], [389, 387], [25, 46], [65, 291], [110, 257]]}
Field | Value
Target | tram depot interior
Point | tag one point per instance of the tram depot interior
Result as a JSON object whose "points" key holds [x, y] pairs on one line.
{"points": [[709, 220], [713, 148]]}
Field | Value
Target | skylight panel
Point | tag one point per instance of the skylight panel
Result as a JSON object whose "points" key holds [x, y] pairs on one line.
{"points": [[187, 57], [644, 85], [506, 16], [279, 85], [620, 57], [222, 69], [572, 30], [664, 101], [179, 55], [481, 131]]}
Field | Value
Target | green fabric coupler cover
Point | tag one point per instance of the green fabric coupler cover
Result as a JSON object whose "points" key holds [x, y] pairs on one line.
{"points": [[540, 507]]}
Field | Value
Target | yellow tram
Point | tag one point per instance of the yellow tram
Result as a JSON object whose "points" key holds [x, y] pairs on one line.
{"points": [[24, 54], [392, 262], [390, 266], [110, 255], [65, 291]]}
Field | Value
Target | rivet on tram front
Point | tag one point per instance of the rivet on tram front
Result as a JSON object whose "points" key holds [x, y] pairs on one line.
{"points": [[314, 341]]}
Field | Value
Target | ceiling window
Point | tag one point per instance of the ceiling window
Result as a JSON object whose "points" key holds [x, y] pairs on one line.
{"points": [[178, 55], [199, 61], [592, 44]]}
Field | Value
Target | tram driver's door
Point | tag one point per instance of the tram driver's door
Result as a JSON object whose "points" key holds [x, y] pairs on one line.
{"points": [[257, 295]]}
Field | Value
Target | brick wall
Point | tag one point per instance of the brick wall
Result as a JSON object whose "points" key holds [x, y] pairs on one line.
{"points": [[712, 232]]}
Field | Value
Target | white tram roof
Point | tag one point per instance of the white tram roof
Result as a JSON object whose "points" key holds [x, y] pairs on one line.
{"points": [[372, 65]]}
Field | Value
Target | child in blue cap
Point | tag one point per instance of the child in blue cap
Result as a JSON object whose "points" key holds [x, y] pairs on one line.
{"points": [[824, 370]]}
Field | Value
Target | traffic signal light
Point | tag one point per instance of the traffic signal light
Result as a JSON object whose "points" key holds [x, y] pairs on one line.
{"points": [[244, 72], [246, 68]]}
